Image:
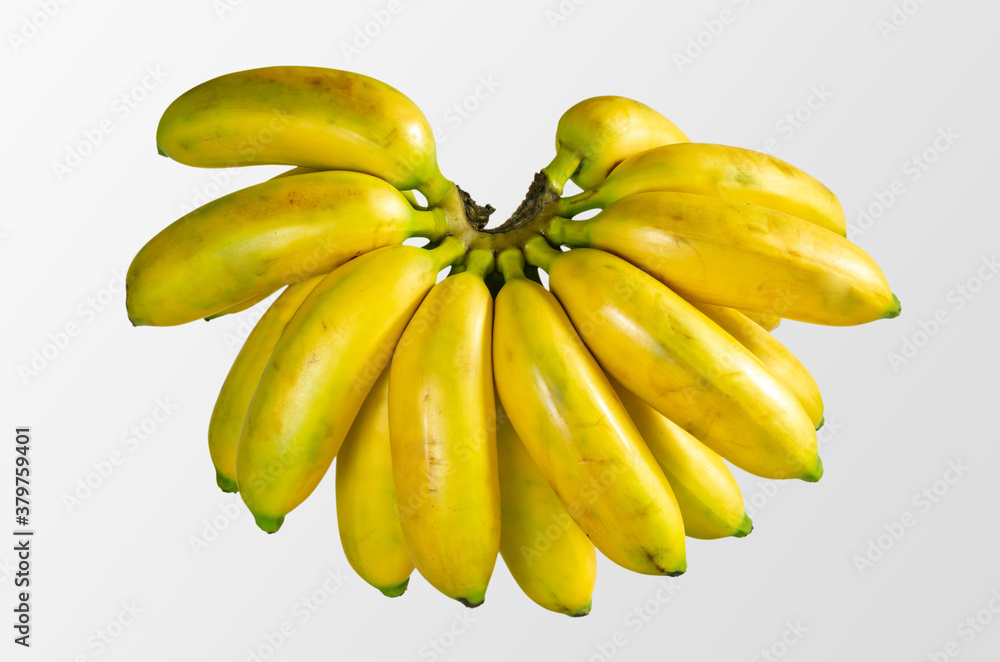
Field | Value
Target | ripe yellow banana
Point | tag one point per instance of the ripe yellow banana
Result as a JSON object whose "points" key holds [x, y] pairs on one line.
{"points": [[778, 359], [767, 321], [366, 498], [549, 556], [255, 240], [708, 496], [740, 256], [597, 134], [237, 391], [330, 354], [442, 418], [733, 174], [240, 307], [669, 354], [306, 116], [577, 431]]}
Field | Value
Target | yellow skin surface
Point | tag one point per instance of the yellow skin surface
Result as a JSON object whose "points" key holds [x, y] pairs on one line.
{"points": [[733, 174], [241, 306], [305, 116], [330, 354], [549, 556], [766, 321], [598, 133], [777, 358], [237, 391], [706, 491], [255, 240], [665, 351], [366, 498], [579, 435], [739, 256], [444, 458]]}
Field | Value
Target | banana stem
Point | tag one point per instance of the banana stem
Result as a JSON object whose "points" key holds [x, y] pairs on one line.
{"points": [[573, 205], [539, 253], [436, 189], [561, 168], [562, 231], [448, 252], [510, 262], [479, 262]]}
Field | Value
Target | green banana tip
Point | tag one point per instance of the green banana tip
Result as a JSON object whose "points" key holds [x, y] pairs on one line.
{"points": [[159, 150], [817, 472], [821, 423], [268, 524], [582, 611], [472, 604], [225, 484], [745, 528], [895, 310], [394, 591]]}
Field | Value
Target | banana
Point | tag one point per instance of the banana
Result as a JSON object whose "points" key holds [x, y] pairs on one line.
{"points": [[597, 134], [241, 306], [237, 391], [306, 116], [669, 354], [408, 194], [577, 431], [740, 256], [442, 418], [550, 558], [767, 321], [366, 498], [321, 370], [708, 496], [733, 174], [778, 359], [253, 241]]}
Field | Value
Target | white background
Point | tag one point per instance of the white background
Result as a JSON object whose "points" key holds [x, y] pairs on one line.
{"points": [[879, 97]]}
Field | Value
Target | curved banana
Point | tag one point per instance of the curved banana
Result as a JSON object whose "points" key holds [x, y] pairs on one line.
{"points": [[442, 418], [767, 321], [330, 354], [408, 194], [597, 134], [708, 495], [325, 119], [577, 431], [255, 240], [237, 391], [666, 352], [366, 498], [778, 359], [733, 174], [241, 306], [550, 558], [740, 256]]}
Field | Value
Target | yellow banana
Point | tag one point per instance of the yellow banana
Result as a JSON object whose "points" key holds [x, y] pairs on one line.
{"points": [[321, 370], [366, 498], [442, 418], [306, 116], [253, 241], [766, 321], [708, 496], [577, 431], [237, 391], [669, 354], [778, 359], [412, 199], [550, 558], [597, 134], [241, 306], [740, 256], [733, 174]]}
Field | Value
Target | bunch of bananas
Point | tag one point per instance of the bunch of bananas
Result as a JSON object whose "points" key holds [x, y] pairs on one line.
{"points": [[482, 412]]}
